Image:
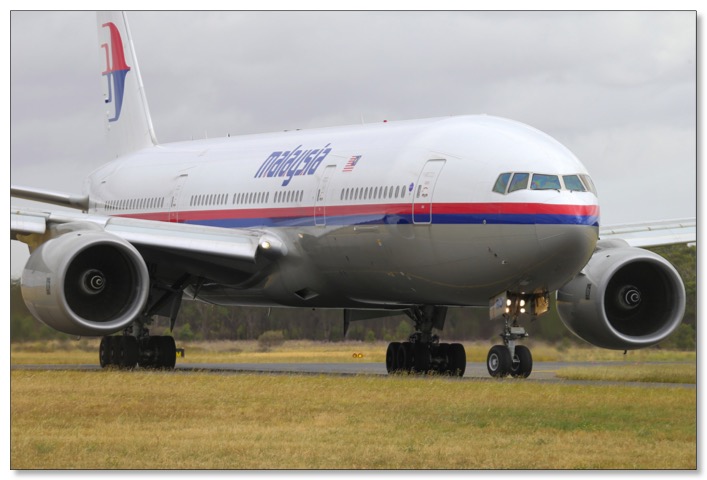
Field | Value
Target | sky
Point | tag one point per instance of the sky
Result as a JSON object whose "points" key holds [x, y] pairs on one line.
{"points": [[618, 88]]}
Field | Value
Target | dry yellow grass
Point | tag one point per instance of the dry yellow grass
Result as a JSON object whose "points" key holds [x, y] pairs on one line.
{"points": [[671, 373], [156, 420]]}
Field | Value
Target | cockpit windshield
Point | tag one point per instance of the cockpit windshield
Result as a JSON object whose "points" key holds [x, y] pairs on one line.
{"points": [[545, 182], [573, 183], [509, 182], [519, 182]]}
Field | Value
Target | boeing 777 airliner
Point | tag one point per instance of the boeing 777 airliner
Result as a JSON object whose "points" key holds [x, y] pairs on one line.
{"points": [[411, 216]]}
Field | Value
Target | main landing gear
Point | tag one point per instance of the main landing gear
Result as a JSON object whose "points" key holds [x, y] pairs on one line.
{"points": [[509, 358], [423, 353], [127, 351]]}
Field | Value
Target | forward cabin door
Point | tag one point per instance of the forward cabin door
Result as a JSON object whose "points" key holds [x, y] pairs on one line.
{"points": [[321, 199], [424, 190], [173, 198]]}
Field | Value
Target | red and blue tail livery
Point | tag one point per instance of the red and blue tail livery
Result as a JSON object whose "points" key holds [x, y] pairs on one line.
{"points": [[116, 69]]}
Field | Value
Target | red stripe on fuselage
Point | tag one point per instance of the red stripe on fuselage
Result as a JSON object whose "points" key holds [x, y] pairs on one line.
{"points": [[372, 209]]}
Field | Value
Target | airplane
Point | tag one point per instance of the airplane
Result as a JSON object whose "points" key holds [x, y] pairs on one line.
{"points": [[408, 217]]}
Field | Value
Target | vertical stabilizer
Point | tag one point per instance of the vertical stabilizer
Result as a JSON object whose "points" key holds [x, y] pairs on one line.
{"points": [[128, 121]]}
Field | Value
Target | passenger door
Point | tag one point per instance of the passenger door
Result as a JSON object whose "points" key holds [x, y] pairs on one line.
{"points": [[424, 190]]}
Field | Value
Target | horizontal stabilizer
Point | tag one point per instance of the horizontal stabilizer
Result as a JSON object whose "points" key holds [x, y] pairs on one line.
{"points": [[47, 196]]}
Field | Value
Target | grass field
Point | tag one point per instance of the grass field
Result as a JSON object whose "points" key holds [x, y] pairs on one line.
{"points": [[174, 420], [170, 420]]}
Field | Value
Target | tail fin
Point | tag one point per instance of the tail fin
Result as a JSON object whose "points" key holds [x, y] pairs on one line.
{"points": [[127, 115]]}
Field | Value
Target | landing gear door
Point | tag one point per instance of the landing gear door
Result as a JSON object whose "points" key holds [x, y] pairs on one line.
{"points": [[424, 190], [321, 199]]}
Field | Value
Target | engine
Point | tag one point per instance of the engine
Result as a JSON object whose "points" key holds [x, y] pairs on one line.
{"points": [[625, 298], [85, 282]]}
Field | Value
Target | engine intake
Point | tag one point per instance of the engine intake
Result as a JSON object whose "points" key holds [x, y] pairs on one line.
{"points": [[625, 298], [86, 283]]}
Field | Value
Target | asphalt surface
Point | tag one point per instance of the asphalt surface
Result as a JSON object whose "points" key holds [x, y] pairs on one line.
{"points": [[542, 371]]}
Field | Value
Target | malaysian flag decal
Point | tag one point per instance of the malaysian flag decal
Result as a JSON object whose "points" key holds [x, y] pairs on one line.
{"points": [[351, 163]]}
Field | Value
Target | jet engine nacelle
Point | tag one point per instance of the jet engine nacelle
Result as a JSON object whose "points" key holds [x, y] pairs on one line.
{"points": [[625, 298], [86, 282]]}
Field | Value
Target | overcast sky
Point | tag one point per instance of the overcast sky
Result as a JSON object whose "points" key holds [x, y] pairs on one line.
{"points": [[617, 88]]}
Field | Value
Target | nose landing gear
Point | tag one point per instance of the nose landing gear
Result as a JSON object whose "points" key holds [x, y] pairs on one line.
{"points": [[509, 358]]}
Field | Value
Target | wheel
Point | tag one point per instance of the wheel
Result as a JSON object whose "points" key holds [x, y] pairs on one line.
{"points": [[149, 358], [522, 363], [404, 357], [391, 357], [443, 361], [421, 356], [457, 359], [118, 351], [130, 352], [499, 361], [167, 353], [104, 351]]}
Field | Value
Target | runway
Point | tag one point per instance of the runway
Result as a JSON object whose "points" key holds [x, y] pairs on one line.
{"points": [[475, 371]]}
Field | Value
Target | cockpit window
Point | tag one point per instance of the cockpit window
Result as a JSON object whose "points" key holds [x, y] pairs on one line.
{"points": [[573, 183], [502, 183], [545, 182], [519, 182], [589, 184]]}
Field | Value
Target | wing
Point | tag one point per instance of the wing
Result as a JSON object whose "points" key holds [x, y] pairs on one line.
{"points": [[234, 246], [653, 234]]}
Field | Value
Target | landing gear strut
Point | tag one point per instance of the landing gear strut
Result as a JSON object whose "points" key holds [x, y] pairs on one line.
{"points": [[509, 358], [423, 352]]}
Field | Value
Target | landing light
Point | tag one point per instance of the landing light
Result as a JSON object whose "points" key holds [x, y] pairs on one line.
{"points": [[266, 245], [522, 303]]}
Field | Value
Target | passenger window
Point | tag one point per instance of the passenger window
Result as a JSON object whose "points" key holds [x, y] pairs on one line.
{"points": [[502, 183], [545, 182], [573, 183], [519, 182]]}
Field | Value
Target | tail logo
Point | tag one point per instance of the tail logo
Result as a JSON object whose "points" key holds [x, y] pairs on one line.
{"points": [[116, 69]]}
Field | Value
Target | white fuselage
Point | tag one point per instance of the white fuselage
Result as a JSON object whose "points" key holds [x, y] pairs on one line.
{"points": [[383, 215]]}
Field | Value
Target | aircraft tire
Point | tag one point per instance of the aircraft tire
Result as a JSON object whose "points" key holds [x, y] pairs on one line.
{"points": [[444, 360], [118, 357], [130, 352], [498, 361], [524, 365], [391, 357], [421, 356], [104, 352], [167, 352], [457, 359], [404, 357]]}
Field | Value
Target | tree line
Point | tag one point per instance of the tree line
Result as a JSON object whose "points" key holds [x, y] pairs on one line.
{"points": [[201, 321]]}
